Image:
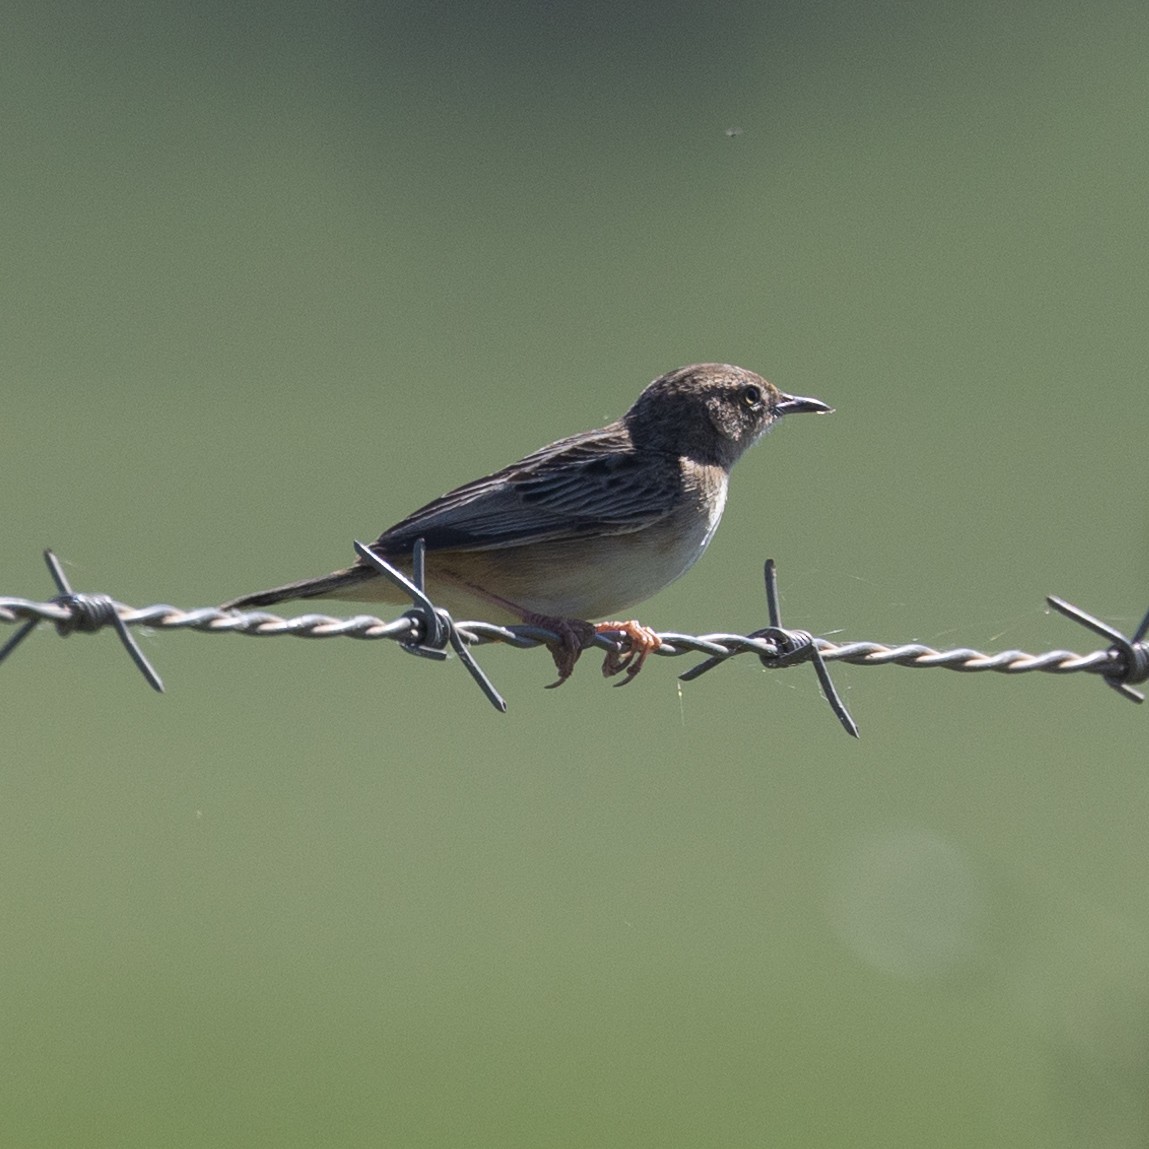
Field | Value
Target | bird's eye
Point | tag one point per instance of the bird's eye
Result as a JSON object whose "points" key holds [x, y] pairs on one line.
{"points": [[751, 395]]}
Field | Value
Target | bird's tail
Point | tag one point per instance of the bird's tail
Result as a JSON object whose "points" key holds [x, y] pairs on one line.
{"points": [[333, 585]]}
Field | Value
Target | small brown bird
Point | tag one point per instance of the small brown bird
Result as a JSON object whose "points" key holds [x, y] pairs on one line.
{"points": [[584, 527]]}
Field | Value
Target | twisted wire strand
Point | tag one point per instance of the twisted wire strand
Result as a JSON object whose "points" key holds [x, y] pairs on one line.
{"points": [[407, 629], [427, 631]]}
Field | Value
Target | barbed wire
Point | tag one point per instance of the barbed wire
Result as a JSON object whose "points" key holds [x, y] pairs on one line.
{"points": [[428, 631]]}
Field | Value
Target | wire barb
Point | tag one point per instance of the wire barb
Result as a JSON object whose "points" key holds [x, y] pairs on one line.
{"points": [[791, 648], [1130, 655], [435, 629], [86, 614]]}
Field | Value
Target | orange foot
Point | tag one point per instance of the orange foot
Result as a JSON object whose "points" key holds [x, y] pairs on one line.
{"points": [[574, 636], [642, 641]]}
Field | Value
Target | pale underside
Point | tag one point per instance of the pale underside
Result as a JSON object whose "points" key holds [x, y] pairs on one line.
{"points": [[591, 577]]}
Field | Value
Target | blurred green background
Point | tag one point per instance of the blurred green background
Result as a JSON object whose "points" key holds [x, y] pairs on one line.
{"points": [[274, 275]]}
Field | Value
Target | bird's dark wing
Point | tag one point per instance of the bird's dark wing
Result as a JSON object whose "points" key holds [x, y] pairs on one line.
{"points": [[593, 483]]}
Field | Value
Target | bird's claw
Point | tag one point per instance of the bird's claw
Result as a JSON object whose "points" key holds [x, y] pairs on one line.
{"points": [[574, 636], [643, 640]]}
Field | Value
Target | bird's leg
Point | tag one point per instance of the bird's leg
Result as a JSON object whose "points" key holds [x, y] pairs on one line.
{"points": [[574, 636], [642, 641]]}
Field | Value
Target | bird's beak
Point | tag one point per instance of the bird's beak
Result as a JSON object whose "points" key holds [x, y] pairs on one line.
{"points": [[796, 404]]}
